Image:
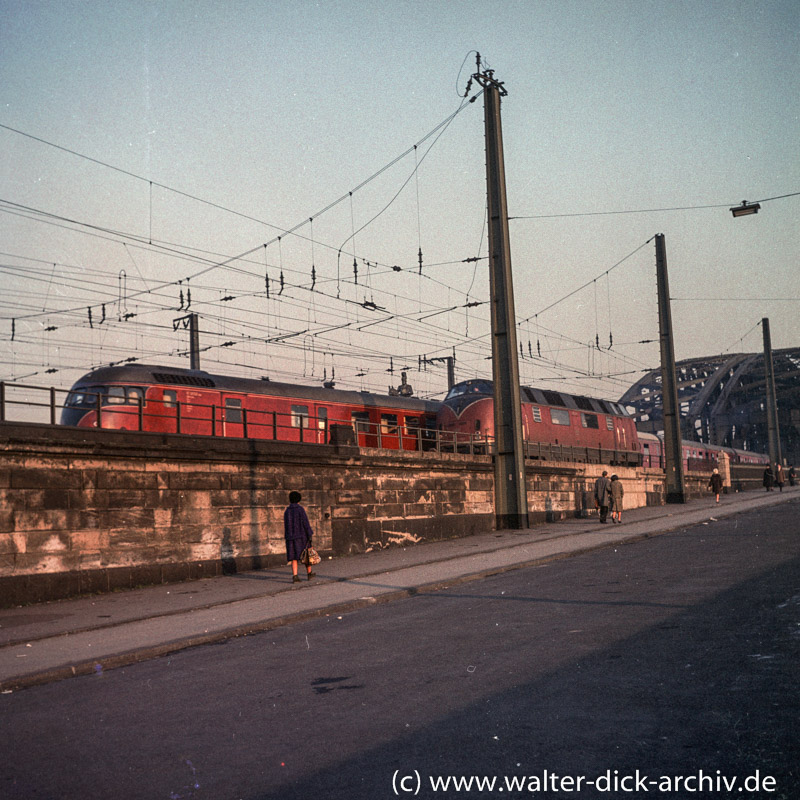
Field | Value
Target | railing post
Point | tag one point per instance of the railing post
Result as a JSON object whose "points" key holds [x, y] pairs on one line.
{"points": [[140, 403], [244, 423], [178, 417], [99, 410], [275, 425], [214, 419], [52, 405], [380, 434]]}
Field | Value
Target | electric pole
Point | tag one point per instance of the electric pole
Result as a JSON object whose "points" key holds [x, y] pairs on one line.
{"points": [[190, 321], [510, 492], [673, 451], [773, 431]]}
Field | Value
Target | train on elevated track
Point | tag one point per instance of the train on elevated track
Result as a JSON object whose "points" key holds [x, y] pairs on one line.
{"points": [[556, 425]]}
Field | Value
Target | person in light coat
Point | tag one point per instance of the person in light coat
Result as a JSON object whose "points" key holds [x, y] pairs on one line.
{"points": [[617, 493]]}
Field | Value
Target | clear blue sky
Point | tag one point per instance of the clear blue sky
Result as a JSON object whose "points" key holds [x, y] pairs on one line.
{"points": [[276, 109]]}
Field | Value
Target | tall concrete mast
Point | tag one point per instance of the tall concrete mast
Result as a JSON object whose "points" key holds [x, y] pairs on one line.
{"points": [[773, 431], [511, 499], [673, 452]]}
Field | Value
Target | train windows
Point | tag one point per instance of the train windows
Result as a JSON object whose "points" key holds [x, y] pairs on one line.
{"points": [[233, 409], [360, 421], [299, 416], [559, 416], [170, 398], [115, 396], [590, 421], [322, 418], [86, 396], [537, 413], [389, 424], [610, 423], [412, 426], [122, 395]]}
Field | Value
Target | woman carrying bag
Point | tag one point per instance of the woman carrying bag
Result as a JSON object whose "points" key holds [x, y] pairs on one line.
{"points": [[297, 532]]}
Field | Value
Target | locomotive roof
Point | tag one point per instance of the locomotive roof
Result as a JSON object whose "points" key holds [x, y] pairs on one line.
{"points": [[172, 376], [540, 397]]}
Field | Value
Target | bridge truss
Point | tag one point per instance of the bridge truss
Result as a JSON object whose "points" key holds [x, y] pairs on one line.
{"points": [[722, 401]]}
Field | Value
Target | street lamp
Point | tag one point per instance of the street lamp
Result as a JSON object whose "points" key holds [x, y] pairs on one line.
{"points": [[745, 208]]}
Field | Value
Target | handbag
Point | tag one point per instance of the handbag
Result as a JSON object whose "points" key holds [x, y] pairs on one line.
{"points": [[310, 556]]}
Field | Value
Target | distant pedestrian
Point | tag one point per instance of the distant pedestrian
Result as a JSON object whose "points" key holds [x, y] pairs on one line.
{"points": [[779, 476], [602, 495], [297, 532], [617, 493], [768, 479], [715, 484], [791, 475]]}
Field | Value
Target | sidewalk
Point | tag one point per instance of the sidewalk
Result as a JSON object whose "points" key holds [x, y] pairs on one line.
{"points": [[52, 641]]}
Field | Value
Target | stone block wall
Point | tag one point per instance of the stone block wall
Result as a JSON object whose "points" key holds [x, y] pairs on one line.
{"points": [[87, 511]]}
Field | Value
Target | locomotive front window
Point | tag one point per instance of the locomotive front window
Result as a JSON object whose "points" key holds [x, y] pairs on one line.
{"points": [[110, 396], [170, 398], [412, 426], [559, 416], [85, 396], [590, 421]]}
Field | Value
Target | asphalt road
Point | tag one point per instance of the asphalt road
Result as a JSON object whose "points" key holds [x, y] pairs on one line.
{"points": [[676, 656]]}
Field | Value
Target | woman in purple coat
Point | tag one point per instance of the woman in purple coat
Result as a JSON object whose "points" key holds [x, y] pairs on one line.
{"points": [[298, 533]]}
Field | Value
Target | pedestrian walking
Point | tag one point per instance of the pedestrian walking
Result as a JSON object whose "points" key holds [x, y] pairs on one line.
{"points": [[602, 495], [779, 476], [715, 483], [791, 475], [768, 479], [297, 532], [617, 493]]}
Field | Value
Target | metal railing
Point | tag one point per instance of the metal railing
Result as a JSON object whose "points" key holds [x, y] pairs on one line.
{"points": [[42, 405]]}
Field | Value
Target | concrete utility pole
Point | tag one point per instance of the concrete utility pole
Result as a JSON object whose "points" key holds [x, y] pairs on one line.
{"points": [[673, 455], [190, 321], [510, 493], [773, 431]]}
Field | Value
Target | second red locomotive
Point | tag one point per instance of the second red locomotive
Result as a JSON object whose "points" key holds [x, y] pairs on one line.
{"points": [[556, 425]]}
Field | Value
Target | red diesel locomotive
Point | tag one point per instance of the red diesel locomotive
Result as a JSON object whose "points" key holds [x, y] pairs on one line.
{"points": [[168, 400], [556, 425]]}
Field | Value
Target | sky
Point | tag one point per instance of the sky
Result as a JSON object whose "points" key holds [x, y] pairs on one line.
{"points": [[157, 151]]}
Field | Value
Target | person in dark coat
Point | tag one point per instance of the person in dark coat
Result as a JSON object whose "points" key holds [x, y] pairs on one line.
{"points": [[297, 532], [602, 495], [769, 478], [791, 475], [715, 484]]}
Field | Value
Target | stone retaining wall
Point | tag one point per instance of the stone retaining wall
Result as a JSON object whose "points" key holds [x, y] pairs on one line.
{"points": [[87, 511]]}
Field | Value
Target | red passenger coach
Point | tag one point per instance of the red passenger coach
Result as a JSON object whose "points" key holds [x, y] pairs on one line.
{"points": [[194, 402], [556, 425]]}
